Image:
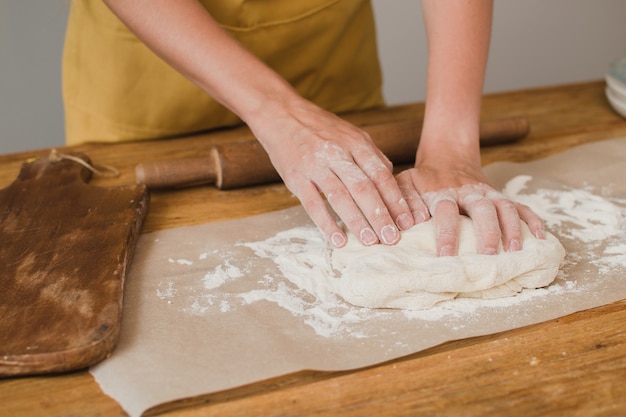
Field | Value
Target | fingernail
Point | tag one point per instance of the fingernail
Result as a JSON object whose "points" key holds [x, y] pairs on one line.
{"points": [[368, 237], [540, 234], [447, 251], [405, 221], [514, 245], [338, 239], [419, 217], [390, 234]]}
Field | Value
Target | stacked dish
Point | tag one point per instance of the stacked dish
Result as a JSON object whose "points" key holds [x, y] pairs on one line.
{"points": [[616, 86]]}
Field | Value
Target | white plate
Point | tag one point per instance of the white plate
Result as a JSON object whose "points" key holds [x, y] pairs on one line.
{"points": [[618, 105], [617, 70], [617, 87]]}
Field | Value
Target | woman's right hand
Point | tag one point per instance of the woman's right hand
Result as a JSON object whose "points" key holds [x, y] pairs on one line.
{"points": [[319, 154]]}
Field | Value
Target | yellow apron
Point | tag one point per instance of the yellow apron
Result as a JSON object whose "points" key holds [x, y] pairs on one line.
{"points": [[116, 89]]}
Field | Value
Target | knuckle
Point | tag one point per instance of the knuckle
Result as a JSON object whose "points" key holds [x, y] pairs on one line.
{"points": [[295, 185], [482, 207], [315, 204], [384, 179], [506, 205], [489, 235], [334, 194], [312, 204], [362, 186], [405, 181], [441, 201], [446, 233], [444, 206]]}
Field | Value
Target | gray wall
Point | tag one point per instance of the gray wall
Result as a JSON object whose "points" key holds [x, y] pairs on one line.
{"points": [[535, 43], [31, 42]]}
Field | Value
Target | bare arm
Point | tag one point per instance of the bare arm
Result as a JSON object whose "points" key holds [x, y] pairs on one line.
{"points": [[448, 178], [314, 151]]}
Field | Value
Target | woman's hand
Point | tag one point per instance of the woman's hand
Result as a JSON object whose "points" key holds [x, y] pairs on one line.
{"points": [[319, 154], [447, 179], [443, 189]]}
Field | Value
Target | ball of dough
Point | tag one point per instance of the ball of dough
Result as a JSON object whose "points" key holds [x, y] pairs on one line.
{"points": [[411, 276]]}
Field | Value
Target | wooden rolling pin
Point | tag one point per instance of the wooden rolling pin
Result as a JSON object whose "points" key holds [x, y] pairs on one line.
{"points": [[245, 163]]}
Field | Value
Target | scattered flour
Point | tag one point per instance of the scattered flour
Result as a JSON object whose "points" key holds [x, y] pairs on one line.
{"points": [[577, 214], [294, 273], [220, 275], [168, 292], [180, 261], [613, 257]]}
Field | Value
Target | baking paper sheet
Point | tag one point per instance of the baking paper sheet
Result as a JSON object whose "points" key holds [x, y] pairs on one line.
{"points": [[207, 307]]}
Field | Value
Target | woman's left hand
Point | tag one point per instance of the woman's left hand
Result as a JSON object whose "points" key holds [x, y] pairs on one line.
{"points": [[444, 189]]}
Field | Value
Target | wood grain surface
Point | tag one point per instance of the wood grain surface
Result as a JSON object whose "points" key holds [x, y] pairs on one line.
{"points": [[572, 366], [66, 247]]}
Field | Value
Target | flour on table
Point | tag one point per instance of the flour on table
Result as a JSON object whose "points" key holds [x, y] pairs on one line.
{"points": [[221, 274], [293, 269], [180, 261]]}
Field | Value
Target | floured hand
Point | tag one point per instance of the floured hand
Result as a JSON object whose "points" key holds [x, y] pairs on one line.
{"points": [[445, 193], [317, 153]]}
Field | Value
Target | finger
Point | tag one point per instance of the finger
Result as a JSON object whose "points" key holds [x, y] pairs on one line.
{"points": [[412, 197], [317, 210], [371, 148], [445, 212], [485, 218], [386, 161], [534, 222], [364, 194], [333, 174], [510, 224], [342, 202], [387, 187]]}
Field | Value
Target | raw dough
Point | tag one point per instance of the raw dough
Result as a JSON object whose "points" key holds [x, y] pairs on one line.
{"points": [[410, 276]]}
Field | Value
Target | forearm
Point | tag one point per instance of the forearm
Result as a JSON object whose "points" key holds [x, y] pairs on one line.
{"points": [[447, 179], [186, 36], [458, 34], [313, 150]]}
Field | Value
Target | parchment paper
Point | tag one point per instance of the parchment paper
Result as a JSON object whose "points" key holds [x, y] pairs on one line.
{"points": [[203, 312]]}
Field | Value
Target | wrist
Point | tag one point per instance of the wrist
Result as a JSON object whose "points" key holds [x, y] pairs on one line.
{"points": [[281, 111], [451, 143], [268, 108]]}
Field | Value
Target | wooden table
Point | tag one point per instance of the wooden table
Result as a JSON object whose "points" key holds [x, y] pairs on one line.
{"points": [[574, 366]]}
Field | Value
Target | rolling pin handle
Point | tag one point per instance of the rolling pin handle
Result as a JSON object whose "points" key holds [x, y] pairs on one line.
{"points": [[242, 164], [178, 173], [502, 131]]}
